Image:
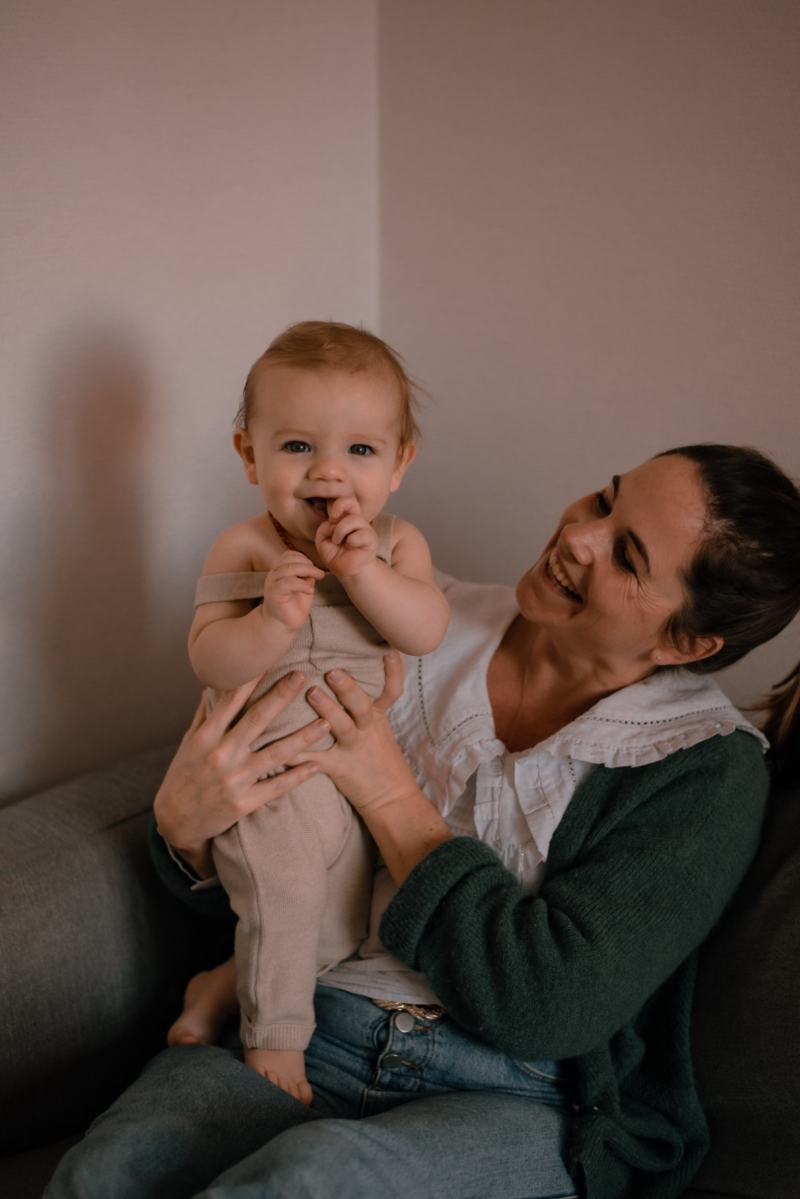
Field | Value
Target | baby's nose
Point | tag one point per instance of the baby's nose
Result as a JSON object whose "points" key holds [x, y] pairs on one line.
{"points": [[328, 467]]}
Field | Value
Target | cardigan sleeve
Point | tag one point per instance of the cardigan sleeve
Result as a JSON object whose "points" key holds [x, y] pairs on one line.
{"points": [[212, 902], [640, 870]]}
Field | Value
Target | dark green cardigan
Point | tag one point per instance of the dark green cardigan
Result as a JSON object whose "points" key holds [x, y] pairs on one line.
{"points": [[599, 967]]}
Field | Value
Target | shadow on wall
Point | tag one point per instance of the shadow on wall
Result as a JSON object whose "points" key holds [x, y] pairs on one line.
{"points": [[100, 654]]}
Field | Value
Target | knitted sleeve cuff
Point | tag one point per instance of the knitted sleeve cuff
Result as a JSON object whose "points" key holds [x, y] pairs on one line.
{"points": [[410, 911], [211, 901]]}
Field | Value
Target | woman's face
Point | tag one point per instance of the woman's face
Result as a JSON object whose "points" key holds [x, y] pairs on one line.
{"points": [[611, 575]]}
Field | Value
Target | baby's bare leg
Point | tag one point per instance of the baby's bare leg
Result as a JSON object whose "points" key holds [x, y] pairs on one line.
{"points": [[285, 1067], [209, 1000]]}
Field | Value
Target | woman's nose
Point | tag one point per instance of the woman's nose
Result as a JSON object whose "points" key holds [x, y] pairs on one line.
{"points": [[583, 540]]}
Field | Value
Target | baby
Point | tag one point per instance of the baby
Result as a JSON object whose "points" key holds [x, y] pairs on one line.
{"points": [[321, 580]]}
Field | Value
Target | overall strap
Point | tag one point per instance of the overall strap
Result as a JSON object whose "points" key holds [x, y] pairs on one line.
{"points": [[239, 585], [249, 584], [383, 524]]}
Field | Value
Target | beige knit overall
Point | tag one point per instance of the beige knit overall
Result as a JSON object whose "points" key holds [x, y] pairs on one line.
{"points": [[298, 871]]}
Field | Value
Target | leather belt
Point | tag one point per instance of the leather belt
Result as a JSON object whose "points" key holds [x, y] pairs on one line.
{"points": [[420, 1011]]}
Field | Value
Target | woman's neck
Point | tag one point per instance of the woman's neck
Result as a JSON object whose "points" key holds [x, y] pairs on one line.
{"points": [[536, 688]]}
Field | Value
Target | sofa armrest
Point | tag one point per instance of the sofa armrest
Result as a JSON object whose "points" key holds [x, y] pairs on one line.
{"points": [[745, 1041], [94, 952]]}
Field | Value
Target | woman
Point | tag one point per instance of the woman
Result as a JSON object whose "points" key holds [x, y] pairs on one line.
{"points": [[613, 805]]}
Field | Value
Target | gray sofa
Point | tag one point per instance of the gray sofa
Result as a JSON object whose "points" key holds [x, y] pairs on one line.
{"points": [[94, 955]]}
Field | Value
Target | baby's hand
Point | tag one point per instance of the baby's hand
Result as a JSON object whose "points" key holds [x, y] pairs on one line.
{"points": [[346, 542], [289, 589]]}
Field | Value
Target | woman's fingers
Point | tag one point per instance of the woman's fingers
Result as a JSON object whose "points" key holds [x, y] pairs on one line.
{"points": [[351, 696], [340, 721], [256, 720], [265, 790], [230, 704], [279, 753], [266, 787], [198, 718], [394, 675], [356, 706]]}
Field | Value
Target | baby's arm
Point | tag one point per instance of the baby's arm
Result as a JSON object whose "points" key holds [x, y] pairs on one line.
{"points": [[401, 601], [234, 641]]}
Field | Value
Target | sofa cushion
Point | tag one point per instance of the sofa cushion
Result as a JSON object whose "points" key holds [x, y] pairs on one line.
{"points": [[25, 1175], [93, 951], [746, 1025]]}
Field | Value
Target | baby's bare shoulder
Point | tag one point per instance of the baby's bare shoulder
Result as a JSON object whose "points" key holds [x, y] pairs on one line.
{"points": [[243, 547], [406, 534], [410, 552]]}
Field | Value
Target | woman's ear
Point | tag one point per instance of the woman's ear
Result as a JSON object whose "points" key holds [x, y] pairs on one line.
{"points": [[405, 456], [692, 650], [244, 448]]}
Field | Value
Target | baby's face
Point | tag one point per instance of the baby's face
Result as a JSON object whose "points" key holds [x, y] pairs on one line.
{"points": [[315, 436]]}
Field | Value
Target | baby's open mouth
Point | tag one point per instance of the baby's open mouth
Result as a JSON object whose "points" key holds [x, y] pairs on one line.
{"points": [[319, 504], [557, 576]]}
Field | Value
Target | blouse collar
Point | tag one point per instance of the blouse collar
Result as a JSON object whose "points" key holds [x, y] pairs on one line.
{"points": [[645, 721]]}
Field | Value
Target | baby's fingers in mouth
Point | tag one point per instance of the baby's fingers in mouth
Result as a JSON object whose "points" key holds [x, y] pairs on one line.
{"points": [[319, 504]]}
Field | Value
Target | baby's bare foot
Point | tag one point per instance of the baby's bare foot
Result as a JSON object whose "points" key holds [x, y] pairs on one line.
{"points": [[209, 1000], [285, 1067]]}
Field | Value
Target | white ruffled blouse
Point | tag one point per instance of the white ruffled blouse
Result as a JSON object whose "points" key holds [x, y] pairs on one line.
{"points": [[514, 801]]}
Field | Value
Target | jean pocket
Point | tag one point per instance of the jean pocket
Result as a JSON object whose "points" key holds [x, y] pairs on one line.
{"points": [[546, 1071]]}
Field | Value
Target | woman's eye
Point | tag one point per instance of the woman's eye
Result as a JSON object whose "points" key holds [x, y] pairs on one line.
{"points": [[621, 555], [603, 506], [361, 450], [297, 447]]}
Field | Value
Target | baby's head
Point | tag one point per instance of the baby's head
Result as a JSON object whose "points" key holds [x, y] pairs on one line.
{"points": [[327, 411]]}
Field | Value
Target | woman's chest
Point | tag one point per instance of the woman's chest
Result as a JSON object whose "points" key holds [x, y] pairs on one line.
{"points": [[525, 711]]}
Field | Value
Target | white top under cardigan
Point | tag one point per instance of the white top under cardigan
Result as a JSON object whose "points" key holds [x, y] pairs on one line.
{"points": [[514, 801]]}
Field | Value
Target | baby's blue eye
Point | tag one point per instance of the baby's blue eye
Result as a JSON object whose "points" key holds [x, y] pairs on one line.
{"points": [[297, 447], [361, 450]]}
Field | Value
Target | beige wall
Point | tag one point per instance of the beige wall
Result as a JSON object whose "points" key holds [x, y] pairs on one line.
{"points": [[589, 252], [182, 178]]}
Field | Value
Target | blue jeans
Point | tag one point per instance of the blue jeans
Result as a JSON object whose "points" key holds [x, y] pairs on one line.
{"points": [[427, 1114]]}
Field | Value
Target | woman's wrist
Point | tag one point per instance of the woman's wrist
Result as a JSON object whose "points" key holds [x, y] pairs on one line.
{"points": [[406, 828], [199, 859]]}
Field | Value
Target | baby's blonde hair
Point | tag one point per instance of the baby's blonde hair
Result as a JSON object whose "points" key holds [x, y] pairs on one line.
{"points": [[332, 346]]}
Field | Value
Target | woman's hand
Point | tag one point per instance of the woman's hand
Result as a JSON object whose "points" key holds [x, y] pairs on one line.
{"points": [[367, 766], [215, 778]]}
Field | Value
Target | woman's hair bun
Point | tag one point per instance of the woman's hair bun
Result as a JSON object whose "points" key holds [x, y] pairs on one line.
{"points": [[744, 582]]}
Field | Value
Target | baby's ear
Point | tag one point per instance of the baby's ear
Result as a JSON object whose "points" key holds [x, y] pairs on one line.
{"points": [[244, 448], [405, 456]]}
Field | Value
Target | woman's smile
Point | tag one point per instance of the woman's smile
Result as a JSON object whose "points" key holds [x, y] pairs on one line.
{"points": [[557, 575]]}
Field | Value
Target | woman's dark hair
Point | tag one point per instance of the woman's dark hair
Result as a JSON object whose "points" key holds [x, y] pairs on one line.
{"points": [[744, 583]]}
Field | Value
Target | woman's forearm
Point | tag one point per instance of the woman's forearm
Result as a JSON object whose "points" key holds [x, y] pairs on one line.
{"points": [[405, 828]]}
